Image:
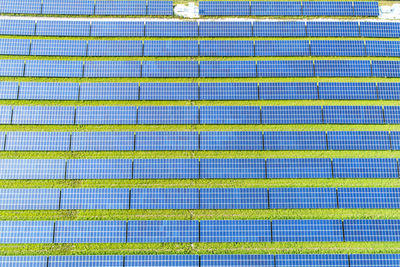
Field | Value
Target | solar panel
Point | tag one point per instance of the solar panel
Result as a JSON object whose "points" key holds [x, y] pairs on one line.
{"points": [[380, 29], [334, 48], [395, 140], [374, 260], [228, 91], [336, 9], [231, 141], [169, 91], [43, 115], [172, 29], [392, 114], [8, 90], [29, 199], [366, 9], [235, 231], [385, 69], [307, 231], [229, 115], [389, 91], [62, 28], [14, 47], [102, 48], [105, 115], [347, 91], [233, 198], [90, 232], [292, 48], [103, 141], [164, 198], [332, 28], [237, 260], [165, 169], [285, 91], [372, 230], [94, 199], [382, 48], [170, 69], [160, 8], [21, 6], [5, 114], [232, 168], [17, 27], [76, 48], [68, 7], [299, 168], [163, 231], [224, 8], [160, 141], [168, 115], [291, 115], [312, 260], [21, 261], [225, 29], [261, 8], [228, 69], [279, 29], [117, 28], [2, 140], [162, 260], [37, 141], [302, 198], [11, 68], [88, 261], [32, 169], [109, 91], [286, 68], [365, 168], [358, 140], [111, 69], [295, 140], [53, 68], [99, 169], [27, 232], [342, 68], [48, 91], [226, 48], [120, 8], [167, 48], [353, 115], [369, 198]]}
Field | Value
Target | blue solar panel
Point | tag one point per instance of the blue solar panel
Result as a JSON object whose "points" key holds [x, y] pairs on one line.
{"points": [[302, 198], [225, 29], [228, 91], [105, 115], [389, 91], [11, 68], [163, 231], [232, 168], [353, 115], [168, 115], [68, 7], [307, 231], [2, 141], [237, 260], [235, 231], [117, 28], [17, 27], [365, 168], [279, 29], [37, 141], [286, 68], [374, 260], [380, 29], [366, 9], [112, 69], [32, 169], [53, 68], [8, 90], [226, 48], [172, 29], [261, 8], [342, 68], [164, 198], [27, 232], [369, 198], [332, 28], [395, 140], [121, 8], [165, 169], [101, 48], [5, 114], [48, 91], [160, 141], [231, 141], [392, 114], [14, 47], [94, 198], [62, 28], [43, 115], [347, 91], [174, 48], [224, 8], [372, 230], [295, 140], [103, 141], [90, 232], [285, 91], [228, 69], [170, 69], [291, 115], [312, 260], [385, 69], [358, 140], [99, 169], [29, 199], [75, 48], [23, 261], [382, 48], [328, 9], [86, 261], [21, 6], [169, 91], [334, 48], [233, 198], [162, 260], [292, 48], [160, 8], [109, 91], [229, 115], [299, 168]]}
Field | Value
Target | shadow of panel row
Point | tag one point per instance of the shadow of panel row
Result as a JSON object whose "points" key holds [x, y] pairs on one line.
{"points": [[87, 7], [200, 29], [210, 48], [191, 231], [279, 168], [195, 199], [175, 115], [199, 91], [198, 69]]}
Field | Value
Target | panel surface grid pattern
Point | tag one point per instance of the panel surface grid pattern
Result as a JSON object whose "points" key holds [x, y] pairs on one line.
{"points": [[168, 115], [102, 48], [334, 48], [389, 91], [172, 29], [75, 48], [166, 169], [392, 114], [389, 69], [342, 68], [286, 68], [29, 199], [328, 9], [222, 8], [121, 8], [233, 198], [112, 69], [20, 6], [117, 28], [229, 115], [226, 48], [14, 47], [295, 140], [27, 232], [5, 114], [165, 198], [8, 90], [365, 168], [167, 48], [228, 69], [228, 91], [232, 168], [159, 8], [366, 9], [99, 169], [103, 141], [161, 141], [358, 140], [53, 68], [87, 261], [237, 260], [62, 28], [369, 198], [109, 91], [372, 230], [225, 29], [105, 115], [169, 91], [170, 69], [231, 141], [68, 7], [48, 91], [32, 169], [374, 260], [332, 29], [17, 27], [353, 115], [2, 140], [261, 8], [347, 91], [162, 260], [312, 260], [21, 261], [43, 115], [382, 48], [291, 115], [11, 68], [285, 91], [299, 168], [37, 141], [302, 198], [380, 29], [279, 29], [292, 48]]}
